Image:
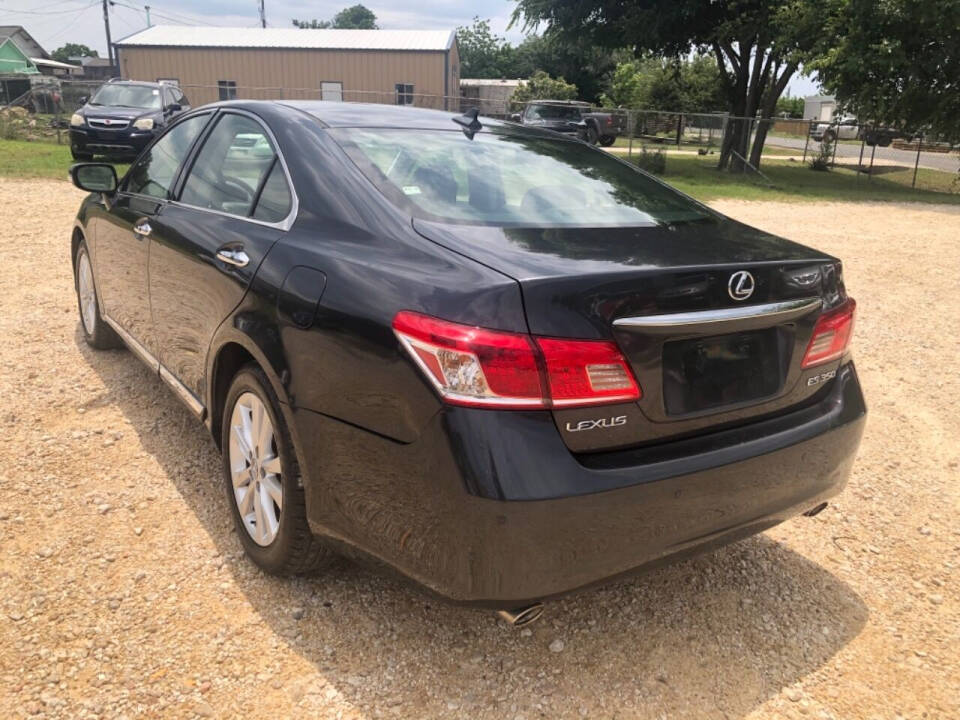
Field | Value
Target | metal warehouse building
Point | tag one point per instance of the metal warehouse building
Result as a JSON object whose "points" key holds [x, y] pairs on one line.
{"points": [[387, 66]]}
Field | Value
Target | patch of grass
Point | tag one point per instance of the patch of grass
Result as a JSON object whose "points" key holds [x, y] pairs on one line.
{"points": [[796, 182], [22, 158]]}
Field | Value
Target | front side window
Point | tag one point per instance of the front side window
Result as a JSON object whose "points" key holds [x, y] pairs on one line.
{"points": [[153, 174], [227, 89], [232, 168], [142, 97], [404, 94], [510, 180]]}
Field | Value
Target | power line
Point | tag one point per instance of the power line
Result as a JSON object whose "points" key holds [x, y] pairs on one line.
{"points": [[169, 15], [70, 23], [45, 12]]}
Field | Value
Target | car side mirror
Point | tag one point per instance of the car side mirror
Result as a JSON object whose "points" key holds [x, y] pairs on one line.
{"points": [[174, 107], [83, 99], [94, 177], [514, 117]]}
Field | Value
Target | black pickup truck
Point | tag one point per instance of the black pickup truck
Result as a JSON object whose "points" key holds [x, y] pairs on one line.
{"points": [[572, 118]]}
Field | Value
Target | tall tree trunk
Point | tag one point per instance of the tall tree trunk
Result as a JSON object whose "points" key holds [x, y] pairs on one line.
{"points": [[768, 107]]}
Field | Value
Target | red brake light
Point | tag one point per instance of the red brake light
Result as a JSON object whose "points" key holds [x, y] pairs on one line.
{"points": [[831, 335], [587, 372], [491, 368]]}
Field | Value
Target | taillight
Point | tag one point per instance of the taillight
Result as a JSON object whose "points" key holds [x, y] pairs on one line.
{"points": [[831, 335], [586, 372], [491, 368]]}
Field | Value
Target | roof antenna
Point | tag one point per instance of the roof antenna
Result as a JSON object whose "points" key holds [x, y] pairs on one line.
{"points": [[469, 123]]}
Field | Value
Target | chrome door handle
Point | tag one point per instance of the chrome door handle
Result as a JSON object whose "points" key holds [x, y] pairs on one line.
{"points": [[142, 228], [233, 256]]}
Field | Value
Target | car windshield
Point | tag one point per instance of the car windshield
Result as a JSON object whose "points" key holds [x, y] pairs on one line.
{"points": [[552, 112], [135, 96], [510, 180]]}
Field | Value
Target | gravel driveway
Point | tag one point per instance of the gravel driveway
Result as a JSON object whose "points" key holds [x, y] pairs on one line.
{"points": [[124, 592]]}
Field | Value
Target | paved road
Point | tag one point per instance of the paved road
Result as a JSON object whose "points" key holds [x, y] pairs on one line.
{"points": [[948, 162]]}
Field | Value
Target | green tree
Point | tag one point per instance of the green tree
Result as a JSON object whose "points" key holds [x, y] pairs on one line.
{"points": [[791, 107], [758, 45], [483, 54], [687, 85], [541, 86], [356, 17], [63, 54], [896, 63], [311, 24], [587, 65]]}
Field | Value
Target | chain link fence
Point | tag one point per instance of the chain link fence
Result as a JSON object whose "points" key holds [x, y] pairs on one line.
{"points": [[862, 151]]}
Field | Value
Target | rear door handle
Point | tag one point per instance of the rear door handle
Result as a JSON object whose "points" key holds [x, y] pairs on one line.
{"points": [[233, 255], [142, 228]]}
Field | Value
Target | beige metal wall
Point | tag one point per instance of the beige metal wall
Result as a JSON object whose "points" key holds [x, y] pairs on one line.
{"points": [[261, 73]]}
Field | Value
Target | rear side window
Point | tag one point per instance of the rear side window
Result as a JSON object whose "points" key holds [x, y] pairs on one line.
{"points": [[235, 167], [154, 172], [274, 202]]}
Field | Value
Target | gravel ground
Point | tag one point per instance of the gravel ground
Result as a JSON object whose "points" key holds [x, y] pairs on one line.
{"points": [[124, 592]]}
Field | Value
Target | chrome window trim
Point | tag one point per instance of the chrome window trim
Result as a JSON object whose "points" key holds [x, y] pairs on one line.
{"points": [[774, 312], [181, 390], [291, 217]]}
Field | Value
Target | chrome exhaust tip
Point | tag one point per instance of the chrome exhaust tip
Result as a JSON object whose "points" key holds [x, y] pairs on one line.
{"points": [[519, 617]]}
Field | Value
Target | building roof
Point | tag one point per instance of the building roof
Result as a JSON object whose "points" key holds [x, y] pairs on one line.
{"points": [[23, 40], [54, 64], [483, 82], [222, 37]]}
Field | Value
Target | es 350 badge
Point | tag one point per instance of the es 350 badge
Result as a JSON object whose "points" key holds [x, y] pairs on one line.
{"points": [[821, 378]]}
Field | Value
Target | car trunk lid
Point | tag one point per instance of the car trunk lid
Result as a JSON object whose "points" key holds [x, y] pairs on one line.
{"points": [[713, 316]]}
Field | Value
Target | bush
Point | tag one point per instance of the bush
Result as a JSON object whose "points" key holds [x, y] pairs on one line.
{"points": [[821, 160], [652, 161]]}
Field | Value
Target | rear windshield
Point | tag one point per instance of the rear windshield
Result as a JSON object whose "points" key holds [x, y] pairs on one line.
{"points": [[510, 180], [134, 96], [552, 112]]}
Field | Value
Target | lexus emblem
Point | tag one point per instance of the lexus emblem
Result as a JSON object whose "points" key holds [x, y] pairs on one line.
{"points": [[741, 285]]}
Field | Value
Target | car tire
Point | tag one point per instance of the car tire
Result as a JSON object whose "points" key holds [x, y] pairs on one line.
{"points": [[607, 140], [593, 137], [81, 156], [96, 332], [828, 136], [262, 460]]}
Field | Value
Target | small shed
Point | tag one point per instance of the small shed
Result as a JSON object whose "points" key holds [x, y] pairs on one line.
{"points": [[490, 96], [819, 107]]}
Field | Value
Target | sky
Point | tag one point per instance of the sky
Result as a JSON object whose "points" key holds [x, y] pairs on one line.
{"points": [[55, 22]]}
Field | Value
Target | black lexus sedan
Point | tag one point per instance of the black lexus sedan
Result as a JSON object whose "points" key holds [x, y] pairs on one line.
{"points": [[499, 361]]}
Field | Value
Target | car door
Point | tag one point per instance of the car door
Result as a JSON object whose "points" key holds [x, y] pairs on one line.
{"points": [[123, 235], [232, 205]]}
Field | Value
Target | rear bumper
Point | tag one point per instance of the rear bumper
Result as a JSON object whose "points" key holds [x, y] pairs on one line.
{"points": [[420, 507]]}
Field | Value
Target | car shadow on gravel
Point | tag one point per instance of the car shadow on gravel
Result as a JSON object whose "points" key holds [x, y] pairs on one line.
{"points": [[714, 636]]}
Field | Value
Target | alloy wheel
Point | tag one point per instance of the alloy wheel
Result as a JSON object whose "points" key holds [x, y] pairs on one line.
{"points": [[88, 296], [255, 468]]}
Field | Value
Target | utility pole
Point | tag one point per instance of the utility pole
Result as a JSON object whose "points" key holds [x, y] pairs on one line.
{"points": [[147, 8], [106, 24], [263, 15]]}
